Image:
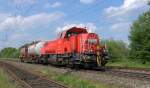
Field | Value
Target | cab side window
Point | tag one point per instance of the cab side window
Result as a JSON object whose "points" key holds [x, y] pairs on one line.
{"points": [[67, 35]]}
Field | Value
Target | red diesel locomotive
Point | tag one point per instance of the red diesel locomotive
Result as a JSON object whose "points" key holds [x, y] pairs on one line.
{"points": [[74, 47]]}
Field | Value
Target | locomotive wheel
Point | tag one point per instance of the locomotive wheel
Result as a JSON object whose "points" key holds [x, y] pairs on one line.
{"points": [[43, 61]]}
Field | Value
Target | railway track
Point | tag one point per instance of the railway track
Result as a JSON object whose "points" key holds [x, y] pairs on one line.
{"points": [[129, 68], [28, 79], [128, 74], [133, 73]]}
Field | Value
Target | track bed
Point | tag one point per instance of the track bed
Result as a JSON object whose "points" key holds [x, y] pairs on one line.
{"points": [[29, 79]]}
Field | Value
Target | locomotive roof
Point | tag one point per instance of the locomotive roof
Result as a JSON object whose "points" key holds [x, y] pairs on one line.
{"points": [[79, 30], [73, 30]]}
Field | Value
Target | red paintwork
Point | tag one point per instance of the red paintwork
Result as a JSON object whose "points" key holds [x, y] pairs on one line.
{"points": [[76, 42], [56, 47]]}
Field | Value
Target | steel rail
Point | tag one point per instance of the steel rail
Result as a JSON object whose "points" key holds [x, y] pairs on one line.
{"points": [[30, 79]]}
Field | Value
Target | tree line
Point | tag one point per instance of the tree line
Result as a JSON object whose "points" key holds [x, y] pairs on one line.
{"points": [[139, 47], [9, 52]]}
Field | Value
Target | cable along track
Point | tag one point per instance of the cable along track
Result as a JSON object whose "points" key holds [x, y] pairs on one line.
{"points": [[30, 79]]}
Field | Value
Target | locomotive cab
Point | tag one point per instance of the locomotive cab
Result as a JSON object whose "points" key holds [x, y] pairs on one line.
{"points": [[84, 46]]}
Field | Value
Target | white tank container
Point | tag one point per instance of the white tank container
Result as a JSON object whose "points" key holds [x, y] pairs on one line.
{"points": [[38, 47], [31, 49], [22, 51]]}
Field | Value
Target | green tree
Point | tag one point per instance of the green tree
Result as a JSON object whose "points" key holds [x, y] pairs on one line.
{"points": [[118, 50], [140, 38], [9, 52]]}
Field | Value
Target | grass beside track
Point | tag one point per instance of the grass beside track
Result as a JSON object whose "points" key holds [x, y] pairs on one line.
{"points": [[73, 81], [129, 63], [13, 59], [4, 80]]}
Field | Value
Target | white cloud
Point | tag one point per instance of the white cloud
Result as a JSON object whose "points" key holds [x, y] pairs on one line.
{"points": [[127, 7], [89, 26], [22, 29], [3, 16], [120, 31], [53, 5], [30, 21], [87, 1], [120, 27]]}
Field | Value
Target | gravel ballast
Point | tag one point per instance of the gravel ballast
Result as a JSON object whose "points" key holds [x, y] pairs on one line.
{"points": [[98, 77]]}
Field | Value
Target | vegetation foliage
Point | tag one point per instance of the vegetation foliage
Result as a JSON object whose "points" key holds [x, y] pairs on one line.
{"points": [[9, 52], [73, 81], [140, 38], [139, 48], [4, 81], [118, 50]]}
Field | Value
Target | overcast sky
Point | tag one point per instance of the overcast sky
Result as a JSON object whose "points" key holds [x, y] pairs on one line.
{"points": [[23, 21]]}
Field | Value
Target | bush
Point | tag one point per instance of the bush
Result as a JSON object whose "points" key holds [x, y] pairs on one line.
{"points": [[9, 52], [118, 50]]}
